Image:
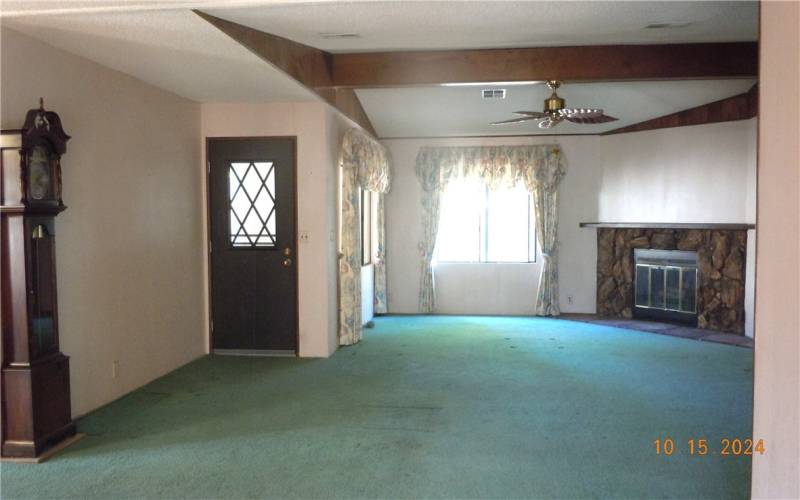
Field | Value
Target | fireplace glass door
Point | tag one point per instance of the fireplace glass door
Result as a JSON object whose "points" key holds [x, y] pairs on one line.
{"points": [[668, 288], [666, 284]]}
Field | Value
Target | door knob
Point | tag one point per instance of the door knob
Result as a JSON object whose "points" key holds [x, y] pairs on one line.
{"points": [[287, 262]]}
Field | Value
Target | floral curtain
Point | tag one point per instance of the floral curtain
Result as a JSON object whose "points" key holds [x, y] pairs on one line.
{"points": [[543, 185], [350, 261], [365, 165], [430, 227], [434, 172], [539, 168]]}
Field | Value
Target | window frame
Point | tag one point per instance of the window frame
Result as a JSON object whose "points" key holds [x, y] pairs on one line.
{"points": [[483, 237]]}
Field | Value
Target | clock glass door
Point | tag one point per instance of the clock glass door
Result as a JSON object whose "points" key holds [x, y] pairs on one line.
{"points": [[253, 253], [42, 302], [39, 168]]}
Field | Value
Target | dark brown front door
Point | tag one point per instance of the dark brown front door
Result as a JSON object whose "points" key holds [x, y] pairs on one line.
{"points": [[251, 185]]}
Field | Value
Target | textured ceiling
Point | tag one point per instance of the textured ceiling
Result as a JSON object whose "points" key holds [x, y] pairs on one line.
{"points": [[484, 24], [174, 49], [408, 24], [460, 111]]}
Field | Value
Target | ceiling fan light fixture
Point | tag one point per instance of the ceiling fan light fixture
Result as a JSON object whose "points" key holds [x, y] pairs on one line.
{"points": [[555, 111]]}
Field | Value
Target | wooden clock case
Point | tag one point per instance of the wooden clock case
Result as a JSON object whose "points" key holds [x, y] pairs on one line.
{"points": [[36, 412]]}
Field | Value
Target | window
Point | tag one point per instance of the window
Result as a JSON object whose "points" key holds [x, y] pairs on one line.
{"points": [[367, 220], [477, 224]]}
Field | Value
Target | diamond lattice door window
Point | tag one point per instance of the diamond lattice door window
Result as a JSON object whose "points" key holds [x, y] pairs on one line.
{"points": [[252, 204]]}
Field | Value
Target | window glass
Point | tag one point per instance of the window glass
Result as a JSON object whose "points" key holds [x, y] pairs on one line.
{"points": [[252, 204], [507, 225], [480, 225], [460, 213], [366, 227]]}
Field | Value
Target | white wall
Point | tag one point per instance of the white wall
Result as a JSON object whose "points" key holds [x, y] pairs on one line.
{"points": [[688, 174], [130, 244], [367, 293], [318, 134], [776, 406], [486, 288]]}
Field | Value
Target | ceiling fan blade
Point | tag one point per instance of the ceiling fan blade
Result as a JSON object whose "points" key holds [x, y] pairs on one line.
{"points": [[585, 116], [516, 120], [534, 114], [549, 122], [591, 119]]}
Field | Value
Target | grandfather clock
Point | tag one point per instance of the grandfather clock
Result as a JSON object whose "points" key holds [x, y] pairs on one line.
{"points": [[35, 374]]}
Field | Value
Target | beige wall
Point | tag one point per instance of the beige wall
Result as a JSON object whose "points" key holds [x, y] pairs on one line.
{"points": [[776, 474], [657, 176], [130, 244], [318, 134]]}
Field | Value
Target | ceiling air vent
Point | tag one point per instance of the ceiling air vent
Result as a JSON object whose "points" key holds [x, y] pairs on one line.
{"points": [[493, 93]]}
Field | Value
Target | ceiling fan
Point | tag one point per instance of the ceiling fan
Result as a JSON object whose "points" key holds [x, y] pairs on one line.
{"points": [[555, 112]]}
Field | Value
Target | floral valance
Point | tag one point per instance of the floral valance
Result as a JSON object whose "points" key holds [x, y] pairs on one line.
{"points": [[369, 158], [496, 165]]}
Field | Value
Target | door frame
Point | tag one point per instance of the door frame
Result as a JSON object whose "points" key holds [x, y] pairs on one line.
{"points": [[207, 167]]}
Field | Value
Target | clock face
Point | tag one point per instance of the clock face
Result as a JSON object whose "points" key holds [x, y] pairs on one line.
{"points": [[39, 173]]}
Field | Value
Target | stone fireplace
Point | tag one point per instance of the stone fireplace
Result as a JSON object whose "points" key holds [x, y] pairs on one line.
{"points": [[720, 256]]}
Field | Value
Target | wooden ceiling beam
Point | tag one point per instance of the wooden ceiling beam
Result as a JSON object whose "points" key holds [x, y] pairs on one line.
{"points": [[571, 64], [308, 66], [739, 107]]}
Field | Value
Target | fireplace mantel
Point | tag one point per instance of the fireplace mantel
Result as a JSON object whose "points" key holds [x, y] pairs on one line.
{"points": [[671, 225]]}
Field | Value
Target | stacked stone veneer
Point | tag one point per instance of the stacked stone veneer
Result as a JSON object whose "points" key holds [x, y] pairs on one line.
{"points": [[720, 271]]}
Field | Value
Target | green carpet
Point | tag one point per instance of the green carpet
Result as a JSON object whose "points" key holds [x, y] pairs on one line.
{"points": [[444, 407]]}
